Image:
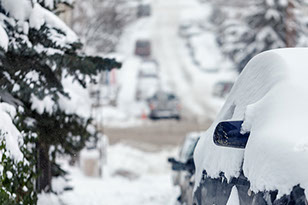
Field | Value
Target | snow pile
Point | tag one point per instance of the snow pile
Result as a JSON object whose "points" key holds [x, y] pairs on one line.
{"points": [[131, 177], [9, 131], [59, 184], [270, 96], [136, 161], [48, 199]]}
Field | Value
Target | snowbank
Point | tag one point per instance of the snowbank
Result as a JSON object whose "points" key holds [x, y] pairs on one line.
{"points": [[270, 96], [135, 177], [48, 199]]}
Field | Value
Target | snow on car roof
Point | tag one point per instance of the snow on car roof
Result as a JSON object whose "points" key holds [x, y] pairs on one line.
{"points": [[271, 96]]}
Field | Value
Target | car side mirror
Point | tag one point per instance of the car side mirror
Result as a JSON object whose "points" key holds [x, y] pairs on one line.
{"points": [[228, 134], [180, 166]]}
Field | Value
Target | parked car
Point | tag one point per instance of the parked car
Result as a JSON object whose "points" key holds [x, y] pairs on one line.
{"points": [[149, 69], [188, 29], [259, 155], [164, 105], [184, 168], [143, 48], [144, 10], [148, 80]]}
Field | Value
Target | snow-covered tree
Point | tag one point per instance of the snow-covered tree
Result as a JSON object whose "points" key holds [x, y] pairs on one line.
{"points": [[265, 24], [100, 23], [43, 71]]}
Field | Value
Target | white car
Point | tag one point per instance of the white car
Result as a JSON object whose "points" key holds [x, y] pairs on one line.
{"points": [[148, 80], [262, 152]]}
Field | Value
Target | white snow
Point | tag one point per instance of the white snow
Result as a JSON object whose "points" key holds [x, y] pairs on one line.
{"points": [[4, 39], [9, 132], [40, 15], [234, 198], [271, 97], [79, 102], [130, 177], [48, 199], [20, 12], [37, 16], [42, 105]]}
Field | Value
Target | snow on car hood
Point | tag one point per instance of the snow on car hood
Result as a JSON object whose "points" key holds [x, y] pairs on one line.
{"points": [[271, 96]]}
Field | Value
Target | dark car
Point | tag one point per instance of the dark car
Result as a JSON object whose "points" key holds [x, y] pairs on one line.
{"points": [[184, 168], [255, 151], [143, 48], [164, 105], [144, 10]]}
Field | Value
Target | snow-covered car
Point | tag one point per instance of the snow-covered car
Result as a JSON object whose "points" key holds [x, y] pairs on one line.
{"points": [[146, 88], [184, 168], [164, 105], [148, 80], [148, 69], [262, 157]]}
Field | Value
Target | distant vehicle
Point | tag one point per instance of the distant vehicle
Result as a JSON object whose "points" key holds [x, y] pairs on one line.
{"points": [[148, 80], [148, 69], [144, 10], [184, 168], [222, 89], [146, 88], [164, 105], [254, 152], [188, 29], [143, 48]]}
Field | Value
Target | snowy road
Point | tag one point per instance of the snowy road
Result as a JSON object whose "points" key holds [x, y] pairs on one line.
{"points": [[178, 72], [156, 135]]}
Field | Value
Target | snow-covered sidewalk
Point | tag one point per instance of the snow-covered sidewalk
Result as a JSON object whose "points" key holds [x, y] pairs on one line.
{"points": [[131, 177]]}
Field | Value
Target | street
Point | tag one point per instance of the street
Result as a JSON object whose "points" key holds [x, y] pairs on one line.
{"points": [[155, 135]]}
